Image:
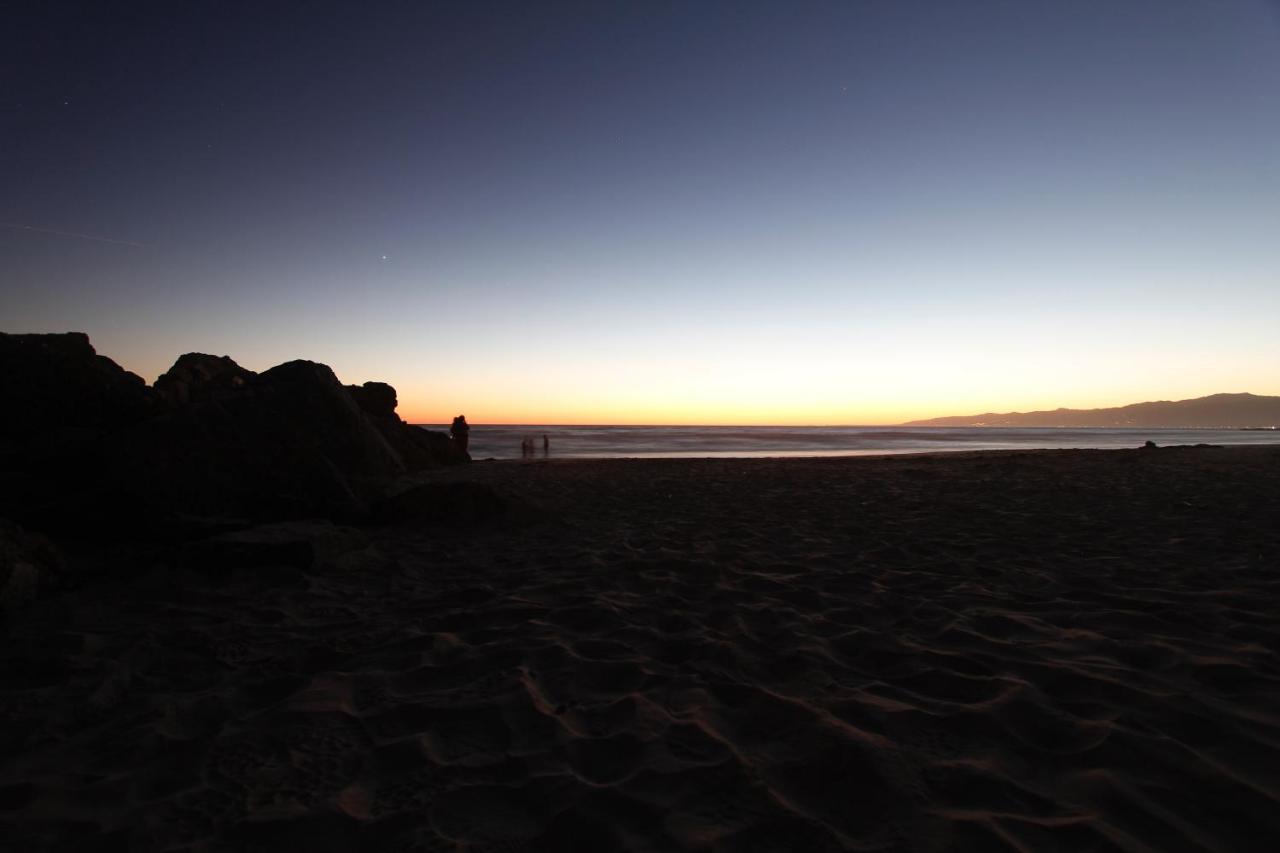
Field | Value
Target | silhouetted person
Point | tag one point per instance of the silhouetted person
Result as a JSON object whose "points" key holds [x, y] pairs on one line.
{"points": [[546, 445], [460, 432]]}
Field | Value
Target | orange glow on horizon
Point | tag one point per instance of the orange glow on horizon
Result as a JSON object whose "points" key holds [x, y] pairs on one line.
{"points": [[884, 388], [569, 415]]}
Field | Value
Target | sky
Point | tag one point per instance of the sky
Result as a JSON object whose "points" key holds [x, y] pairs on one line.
{"points": [[850, 212]]}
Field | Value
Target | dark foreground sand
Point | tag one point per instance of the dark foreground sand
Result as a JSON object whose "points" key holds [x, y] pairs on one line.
{"points": [[1046, 651]]}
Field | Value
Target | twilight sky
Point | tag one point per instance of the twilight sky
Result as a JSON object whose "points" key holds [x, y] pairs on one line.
{"points": [[861, 211]]}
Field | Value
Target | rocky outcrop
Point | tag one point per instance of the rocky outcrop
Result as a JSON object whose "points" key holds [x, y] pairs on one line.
{"points": [[29, 566], [196, 377], [61, 400], [291, 443], [420, 448], [376, 399], [89, 449], [58, 383], [294, 544], [449, 504]]}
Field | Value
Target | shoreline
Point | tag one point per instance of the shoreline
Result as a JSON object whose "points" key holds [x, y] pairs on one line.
{"points": [[870, 454], [766, 442]]}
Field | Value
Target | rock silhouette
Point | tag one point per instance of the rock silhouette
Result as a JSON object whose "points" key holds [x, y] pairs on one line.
{"points": [[292, 442], [54, 383], [90, 449], [197, 377], [419, 448], [29, 565]]}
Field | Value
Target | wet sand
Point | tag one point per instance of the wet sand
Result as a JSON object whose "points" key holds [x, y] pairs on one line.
{"points": [[1057, 650]]}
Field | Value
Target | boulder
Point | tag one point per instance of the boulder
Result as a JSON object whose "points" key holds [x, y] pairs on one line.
{"points": [[292, 544], [53, 383], [86, 449], [420, 448], [447, 505], [424, 448], [29, 566], [438, 445], [197, 377], [60, 400], [292, 443], [376, 399]]}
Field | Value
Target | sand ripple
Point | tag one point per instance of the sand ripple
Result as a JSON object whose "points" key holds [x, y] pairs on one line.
{"points": [[1049, 651]]}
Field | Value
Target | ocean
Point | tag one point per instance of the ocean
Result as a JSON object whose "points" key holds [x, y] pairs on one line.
{"points": [[594, 442]]}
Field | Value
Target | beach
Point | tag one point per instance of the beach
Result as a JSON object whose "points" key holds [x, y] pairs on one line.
{"points": [[1024, 650]]}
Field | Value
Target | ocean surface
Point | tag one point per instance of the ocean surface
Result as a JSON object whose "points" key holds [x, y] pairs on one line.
{"points": [[593, 442]]}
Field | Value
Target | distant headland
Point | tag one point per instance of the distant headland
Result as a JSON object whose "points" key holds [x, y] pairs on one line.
{"points": [[1230, 411]]}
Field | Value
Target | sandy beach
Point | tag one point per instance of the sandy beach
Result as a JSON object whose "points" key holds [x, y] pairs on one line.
{"points": [[1059, 650]]}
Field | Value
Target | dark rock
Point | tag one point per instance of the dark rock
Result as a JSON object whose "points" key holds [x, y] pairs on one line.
{"points": [[446, 504], [93, 508], [88, 451], [293, 443], [377, 399], [440, 445], [297, 544], [29, 566], [196, 377], [107, 511], [53, 383], [61, 400], [419, 448], [427, 448], [1150, 445]]}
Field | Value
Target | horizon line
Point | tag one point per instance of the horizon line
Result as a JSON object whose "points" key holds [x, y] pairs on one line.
{"points": [[909, 425]]}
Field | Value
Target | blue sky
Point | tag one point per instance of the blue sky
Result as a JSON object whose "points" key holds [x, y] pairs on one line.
{"points": [[851, 212]]}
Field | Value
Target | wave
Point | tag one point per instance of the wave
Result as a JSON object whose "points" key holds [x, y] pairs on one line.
{"points": [[568, 442]]}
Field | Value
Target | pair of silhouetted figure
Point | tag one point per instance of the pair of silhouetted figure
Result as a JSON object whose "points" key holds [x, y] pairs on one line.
{"points": [[460, 432]]}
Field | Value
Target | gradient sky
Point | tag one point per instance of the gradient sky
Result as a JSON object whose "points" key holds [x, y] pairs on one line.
{"points": [[850, 212]]}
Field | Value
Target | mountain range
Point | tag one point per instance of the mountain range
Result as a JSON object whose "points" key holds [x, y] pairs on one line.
{"points": [[1217, 410]]}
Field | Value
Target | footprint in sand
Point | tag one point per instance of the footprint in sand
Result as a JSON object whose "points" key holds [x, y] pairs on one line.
{"points": [[486, 813], [608, 760]]}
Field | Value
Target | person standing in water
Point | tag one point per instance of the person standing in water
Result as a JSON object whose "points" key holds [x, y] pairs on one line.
{"points": [[546, 445], [460, 432]]}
